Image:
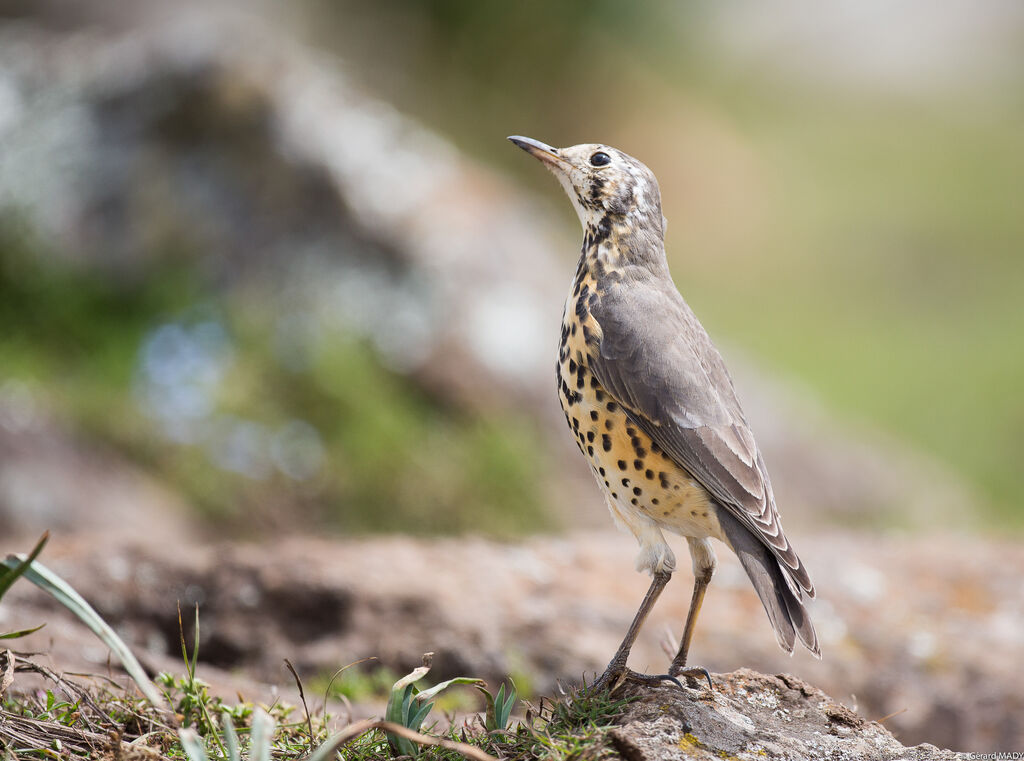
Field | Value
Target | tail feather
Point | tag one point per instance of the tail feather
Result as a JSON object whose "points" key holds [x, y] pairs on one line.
{"points": [[782, 602]]}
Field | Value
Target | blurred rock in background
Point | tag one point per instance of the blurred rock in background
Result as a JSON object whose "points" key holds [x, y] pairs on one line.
{"points": [[276, 249], [324, 295]]}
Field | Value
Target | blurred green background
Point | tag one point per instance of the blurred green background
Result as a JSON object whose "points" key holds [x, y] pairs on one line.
{"points": [[843, 185]]}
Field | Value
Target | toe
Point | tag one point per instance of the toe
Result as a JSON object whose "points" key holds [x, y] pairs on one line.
{"points": [[694, 672]]}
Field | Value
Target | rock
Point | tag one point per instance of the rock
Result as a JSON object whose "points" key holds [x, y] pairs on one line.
{"points": [[218, 135], [754, 716]]}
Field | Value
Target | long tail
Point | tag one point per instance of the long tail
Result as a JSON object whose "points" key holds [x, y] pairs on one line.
{"points": [[785, 608]]}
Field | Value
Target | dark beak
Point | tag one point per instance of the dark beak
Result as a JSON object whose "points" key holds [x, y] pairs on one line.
{"points": [[541, 151]]}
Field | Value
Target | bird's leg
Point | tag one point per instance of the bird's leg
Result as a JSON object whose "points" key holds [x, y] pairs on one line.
{"points": [[704, 564], [617, 671]]}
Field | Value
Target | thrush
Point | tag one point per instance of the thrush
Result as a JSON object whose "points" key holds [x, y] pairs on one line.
{"points": [[653, 408]]}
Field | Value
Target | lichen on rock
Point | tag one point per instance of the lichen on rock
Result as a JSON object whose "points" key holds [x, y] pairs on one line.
{"points": [[755, 717]]}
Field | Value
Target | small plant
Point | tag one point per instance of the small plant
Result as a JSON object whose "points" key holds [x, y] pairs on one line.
{"points": [[499, 708], [11, 573], [408, 706], [574, 727], [65, 594], [260, 744]]}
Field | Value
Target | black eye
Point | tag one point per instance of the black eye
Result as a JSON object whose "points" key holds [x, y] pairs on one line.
{"points": [[600, 159]]}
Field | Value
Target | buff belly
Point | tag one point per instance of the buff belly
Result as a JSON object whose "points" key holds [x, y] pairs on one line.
{"points": [[642, 484]]}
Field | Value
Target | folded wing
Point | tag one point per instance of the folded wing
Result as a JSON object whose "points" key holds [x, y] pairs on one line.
{"points": [[657, 361]]}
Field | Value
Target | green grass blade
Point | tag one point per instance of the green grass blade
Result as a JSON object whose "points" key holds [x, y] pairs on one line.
{"points": [[495, 716], [22, 633], [11, 573], [262, 735], [231, 738], [50, 582], [192, 745], [398, 704], [505, 709], [489, 712], [397, 712], [195, 646], [416, 719]]}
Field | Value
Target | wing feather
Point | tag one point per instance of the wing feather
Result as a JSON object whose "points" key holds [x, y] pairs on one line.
{"points": [[658, 362]]}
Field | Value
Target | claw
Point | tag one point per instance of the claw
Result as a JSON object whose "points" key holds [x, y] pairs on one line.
{"points": [[616, 679], [668, 678], [697, 672]]}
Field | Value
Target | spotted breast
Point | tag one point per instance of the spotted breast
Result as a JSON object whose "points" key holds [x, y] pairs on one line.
{"points": [[646, 490]]}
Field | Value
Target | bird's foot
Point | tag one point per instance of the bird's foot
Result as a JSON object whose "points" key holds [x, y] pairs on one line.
{"points": [[692, 672], [616, 675]]}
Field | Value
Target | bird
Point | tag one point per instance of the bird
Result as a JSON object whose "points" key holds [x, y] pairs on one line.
{"points": [[651, 405]]}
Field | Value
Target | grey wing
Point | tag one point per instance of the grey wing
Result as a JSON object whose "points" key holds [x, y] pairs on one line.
{"points": [[658, 362]]}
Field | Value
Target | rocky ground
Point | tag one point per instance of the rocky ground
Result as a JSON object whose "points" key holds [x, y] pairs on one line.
{"points": [[917, 632], [755, 716]]}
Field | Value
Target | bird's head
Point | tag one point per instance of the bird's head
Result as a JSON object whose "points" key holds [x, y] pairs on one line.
{"points": [[603, 183]]}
